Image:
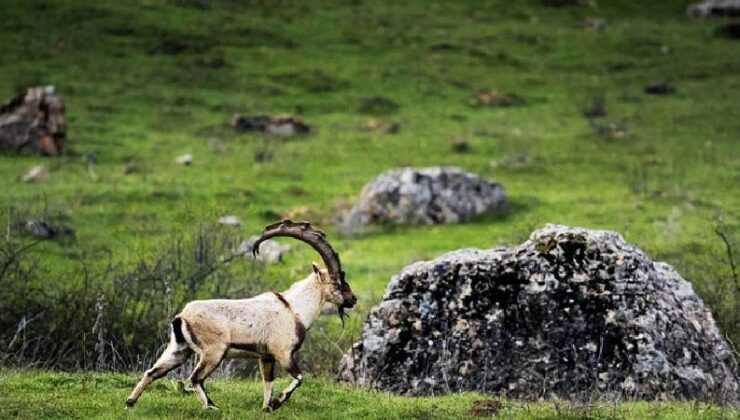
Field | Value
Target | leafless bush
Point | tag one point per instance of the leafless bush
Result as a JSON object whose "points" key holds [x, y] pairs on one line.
{"points": [[109, 318]]}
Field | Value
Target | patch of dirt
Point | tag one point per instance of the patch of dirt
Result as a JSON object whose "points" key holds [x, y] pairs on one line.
{"points": [[485, 408], [494, 98]]}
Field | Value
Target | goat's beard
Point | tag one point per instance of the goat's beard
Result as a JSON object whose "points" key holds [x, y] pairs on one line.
{"points": [[342, 314]]}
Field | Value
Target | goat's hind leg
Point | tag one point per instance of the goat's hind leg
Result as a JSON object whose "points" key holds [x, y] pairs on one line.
{"points": [[174, 355], [209, 360]]}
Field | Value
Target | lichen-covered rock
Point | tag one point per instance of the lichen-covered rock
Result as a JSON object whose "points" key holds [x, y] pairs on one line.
{"points": [[425, 196], [34, 121], [570, 313]]}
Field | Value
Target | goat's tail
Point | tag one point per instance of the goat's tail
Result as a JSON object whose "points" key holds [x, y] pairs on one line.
{"points": [[177, 325]]}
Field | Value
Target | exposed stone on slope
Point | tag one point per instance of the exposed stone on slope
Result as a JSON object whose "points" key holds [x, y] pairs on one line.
{"points": [[570, 313], [285, 126], [34, 122], [425, 196], [714, 8]]}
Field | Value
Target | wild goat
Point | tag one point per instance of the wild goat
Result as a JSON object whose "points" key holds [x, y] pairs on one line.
{"points": [[270, 327]]}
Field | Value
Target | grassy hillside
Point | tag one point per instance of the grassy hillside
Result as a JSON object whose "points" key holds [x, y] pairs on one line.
{"points": [[91, 396], [145, 81]]}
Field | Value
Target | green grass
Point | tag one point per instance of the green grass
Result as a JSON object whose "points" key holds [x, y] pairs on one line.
{"points": [[38, 395], [662, 186]]}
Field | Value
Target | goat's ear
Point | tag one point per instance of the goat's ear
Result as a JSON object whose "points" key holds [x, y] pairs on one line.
{"points": [[316, 270]]}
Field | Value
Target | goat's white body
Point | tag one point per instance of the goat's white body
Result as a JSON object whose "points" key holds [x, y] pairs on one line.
{"points": [[270, 327], [264, 322]]}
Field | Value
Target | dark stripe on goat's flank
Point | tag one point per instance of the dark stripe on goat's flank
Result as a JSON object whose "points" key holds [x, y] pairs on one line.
{"points": [[282, 299], [177, 330]]}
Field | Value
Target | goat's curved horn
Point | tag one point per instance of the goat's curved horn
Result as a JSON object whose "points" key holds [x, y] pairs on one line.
{"points": [[304, 232]]}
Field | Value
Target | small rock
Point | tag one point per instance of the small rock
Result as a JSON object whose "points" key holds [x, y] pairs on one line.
{"points": [[493, 98], [380, 126], [250, 122], [230, 220], [285, 126], [43, 229], [714, 8], [271, 251], [34, 121], [660, 89], [36, 174], [184, 160]]}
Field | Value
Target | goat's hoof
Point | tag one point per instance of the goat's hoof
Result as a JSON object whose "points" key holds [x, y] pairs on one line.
{"points": [[212, 407], [130, 404], [275, 404], [183, 388], [267, 409]]}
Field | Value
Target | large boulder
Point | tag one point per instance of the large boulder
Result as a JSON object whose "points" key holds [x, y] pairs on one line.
{"points": [[34, 122], [570, 313], [426, 196]]}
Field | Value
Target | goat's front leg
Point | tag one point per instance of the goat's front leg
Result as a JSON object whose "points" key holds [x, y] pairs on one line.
{"points": [[267, 369], [292, 367]]}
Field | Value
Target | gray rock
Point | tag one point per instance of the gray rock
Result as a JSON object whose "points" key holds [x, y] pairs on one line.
{"points": [[714, 8], [285, 126], [36, 174], [46, 230], [425, 196], [230, 220], [270, 251], [186, 160], [570, 313]]}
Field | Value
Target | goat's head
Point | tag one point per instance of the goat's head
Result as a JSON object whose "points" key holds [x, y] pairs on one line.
{"points": [[335, 288]]}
